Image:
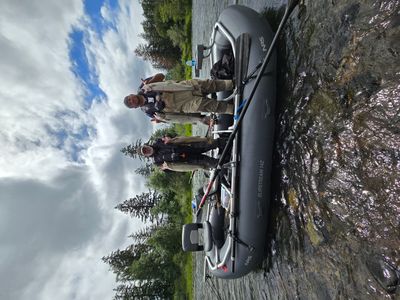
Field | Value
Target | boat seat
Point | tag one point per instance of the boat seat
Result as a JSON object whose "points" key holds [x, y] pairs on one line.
{"points": [[191, 237]]}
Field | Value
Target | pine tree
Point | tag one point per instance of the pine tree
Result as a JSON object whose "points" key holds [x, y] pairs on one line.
{"points": [[120, 261], [141, 236], [154, 289], [132, 150], [140, 206], [145, 170], [160, 133]]}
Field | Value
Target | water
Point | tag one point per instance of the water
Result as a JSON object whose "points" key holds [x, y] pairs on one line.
{"points": [[335, 221]]}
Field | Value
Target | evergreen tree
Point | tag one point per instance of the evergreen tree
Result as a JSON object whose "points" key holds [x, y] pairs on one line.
{"points": [[155, 265], [166, 208], [166, 238], [154, 289], [159, 133], [120, 261], [145, 170], [140, 206], [162, 55], [132, 150], [159, 48], [141, 236], [167, 182]]}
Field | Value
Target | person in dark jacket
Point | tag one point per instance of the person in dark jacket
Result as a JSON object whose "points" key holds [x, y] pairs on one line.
{"points": [[182, 154]]}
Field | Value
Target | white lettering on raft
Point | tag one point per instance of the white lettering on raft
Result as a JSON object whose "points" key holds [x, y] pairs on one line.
{"points": [[262, 43], [248, 260], [260, 179]]}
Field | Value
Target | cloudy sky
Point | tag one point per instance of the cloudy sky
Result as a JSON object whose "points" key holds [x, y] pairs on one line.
{"points": [[65, 67]]}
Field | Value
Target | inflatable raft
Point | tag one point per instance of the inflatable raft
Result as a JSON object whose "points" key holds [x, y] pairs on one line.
{"points": [[234, 232]]}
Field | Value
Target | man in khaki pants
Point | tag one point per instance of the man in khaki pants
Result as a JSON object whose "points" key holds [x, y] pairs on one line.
{"points": [[159, 96]]}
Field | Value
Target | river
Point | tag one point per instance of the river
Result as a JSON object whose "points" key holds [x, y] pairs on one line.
{"points": [[335, 222]]}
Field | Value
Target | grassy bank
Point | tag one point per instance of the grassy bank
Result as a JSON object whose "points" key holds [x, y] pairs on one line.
{"points": [[184, 283], [183, 286], [187, 46]]}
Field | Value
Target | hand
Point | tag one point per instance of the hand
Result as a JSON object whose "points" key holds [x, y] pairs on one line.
{"points": [[160, 116], [164, 166], [157, 78], [156, 120], [166, 139], [146, 88]]}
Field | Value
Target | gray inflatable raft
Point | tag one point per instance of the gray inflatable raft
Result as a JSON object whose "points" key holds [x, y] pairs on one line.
{"points": [[235, 230]]}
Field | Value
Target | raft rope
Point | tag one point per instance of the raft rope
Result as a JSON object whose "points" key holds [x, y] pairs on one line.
{"points": [[239, 241]]}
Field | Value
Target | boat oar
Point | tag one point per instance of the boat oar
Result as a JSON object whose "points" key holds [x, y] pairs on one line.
{"points": [[289, 8]]}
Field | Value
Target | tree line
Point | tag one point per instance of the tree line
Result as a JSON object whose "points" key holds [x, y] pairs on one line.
{"points": [[167, 33], [151, 265]]}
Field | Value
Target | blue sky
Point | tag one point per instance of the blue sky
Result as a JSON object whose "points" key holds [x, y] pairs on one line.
{"points": [[77, 52], [66, 66]]}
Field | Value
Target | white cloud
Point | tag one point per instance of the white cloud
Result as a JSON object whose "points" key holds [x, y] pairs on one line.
{"points": [[56, 214], [36, 83]]}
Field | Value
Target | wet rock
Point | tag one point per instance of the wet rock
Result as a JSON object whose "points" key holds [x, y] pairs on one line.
{"points": [[384, 273], [293, 201]]}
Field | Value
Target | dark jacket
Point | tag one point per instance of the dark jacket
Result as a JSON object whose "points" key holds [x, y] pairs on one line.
{"points": [[178, 152], [152, 106]]}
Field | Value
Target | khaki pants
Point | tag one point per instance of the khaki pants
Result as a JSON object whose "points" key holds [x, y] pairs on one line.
{"points": [[181, 118], [195, 101], [203, 163]]}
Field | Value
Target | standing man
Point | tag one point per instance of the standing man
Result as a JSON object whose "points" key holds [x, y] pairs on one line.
{"points": [[159, 96], [182, 154]]}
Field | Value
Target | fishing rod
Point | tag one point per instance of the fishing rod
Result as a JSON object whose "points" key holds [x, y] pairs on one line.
{"points": [[289, 8]]}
